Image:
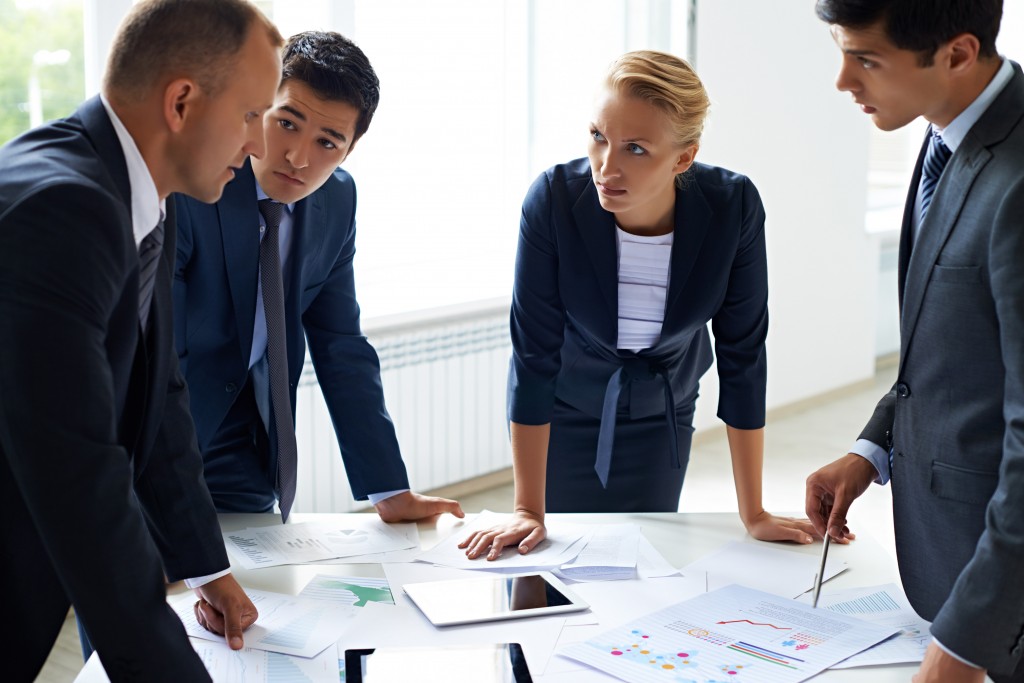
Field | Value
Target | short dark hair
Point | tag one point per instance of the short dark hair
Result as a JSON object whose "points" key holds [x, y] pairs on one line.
{"points": [[336, 69], [920, 25], [196, 38]]}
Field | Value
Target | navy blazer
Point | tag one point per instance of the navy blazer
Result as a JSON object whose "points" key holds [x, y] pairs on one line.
{"points": [[565, 301], [100, 476], [215, 283], [955, 417]]}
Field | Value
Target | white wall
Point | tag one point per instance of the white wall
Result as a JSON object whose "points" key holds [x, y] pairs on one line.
{"points": [[776, 117]]}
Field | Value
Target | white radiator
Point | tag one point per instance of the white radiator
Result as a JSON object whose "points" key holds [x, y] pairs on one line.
{"points": [[444, 376]]}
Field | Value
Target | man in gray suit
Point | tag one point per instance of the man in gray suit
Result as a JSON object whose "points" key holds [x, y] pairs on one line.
{"points": [[950, 434]]}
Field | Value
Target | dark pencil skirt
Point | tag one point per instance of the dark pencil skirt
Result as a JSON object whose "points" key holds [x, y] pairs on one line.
{"points": [[642, 478]]}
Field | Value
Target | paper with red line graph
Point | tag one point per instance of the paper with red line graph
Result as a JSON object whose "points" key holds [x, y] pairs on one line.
{"points": [[735, 634]]}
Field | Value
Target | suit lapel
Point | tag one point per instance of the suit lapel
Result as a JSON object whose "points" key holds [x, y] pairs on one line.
{"points": [[239, 219], [692, 221], [951, 193], [108, 147], [597, 230]]}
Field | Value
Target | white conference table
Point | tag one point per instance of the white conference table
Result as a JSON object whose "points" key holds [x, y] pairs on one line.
{"points": [[680, 537]]}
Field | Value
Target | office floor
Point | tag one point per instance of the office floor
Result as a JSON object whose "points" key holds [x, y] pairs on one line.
{"points": [[798, 442]]}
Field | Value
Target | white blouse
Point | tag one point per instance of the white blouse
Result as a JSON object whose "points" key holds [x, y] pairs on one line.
{"points": [[643, 284]]}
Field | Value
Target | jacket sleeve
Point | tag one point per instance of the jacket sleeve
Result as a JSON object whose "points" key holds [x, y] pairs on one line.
{"points": [[64, 265], [348, 370], [741, 323], [537, 318], [983, 619]]}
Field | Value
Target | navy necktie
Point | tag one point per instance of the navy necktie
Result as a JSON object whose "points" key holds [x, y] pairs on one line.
{"points": [[149, 257], [277, 355], [935, 160]]}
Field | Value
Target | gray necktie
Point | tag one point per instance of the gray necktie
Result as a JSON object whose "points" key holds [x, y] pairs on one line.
{"points": [[277, 355], [935, 159], [149, 257]]}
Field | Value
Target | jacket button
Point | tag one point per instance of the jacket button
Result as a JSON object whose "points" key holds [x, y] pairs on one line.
{"points": [[902, 390], [230, 387]]}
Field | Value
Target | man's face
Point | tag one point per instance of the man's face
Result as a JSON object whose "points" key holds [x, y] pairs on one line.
{"points": [[222, 130], [887, 82], [307, 139]]}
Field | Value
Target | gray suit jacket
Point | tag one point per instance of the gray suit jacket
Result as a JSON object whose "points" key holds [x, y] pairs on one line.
{"points": [[955, 418]]}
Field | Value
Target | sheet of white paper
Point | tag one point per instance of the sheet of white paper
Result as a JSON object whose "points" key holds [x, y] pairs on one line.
{"points": [[730, 631], [885, 605], [244, 666], [347, 590], [652, 564], [610, 554], [286, 624], [411, 534], [564, 541], [272, 546], [766, 568], [379, 624]]}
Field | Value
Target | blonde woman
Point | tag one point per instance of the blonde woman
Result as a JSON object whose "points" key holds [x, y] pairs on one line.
{"points": [[623, 259]]}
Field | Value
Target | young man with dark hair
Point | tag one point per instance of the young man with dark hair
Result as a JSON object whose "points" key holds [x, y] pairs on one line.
{"points": [[99, 471], [270, 267], [950, 434]]}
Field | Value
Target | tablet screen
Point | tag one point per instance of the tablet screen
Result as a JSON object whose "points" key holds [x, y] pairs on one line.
{"points": [[491, 598], [500, 663]]}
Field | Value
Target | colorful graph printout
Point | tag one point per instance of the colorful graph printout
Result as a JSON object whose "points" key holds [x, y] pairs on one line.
{"points": [[734, 633]]}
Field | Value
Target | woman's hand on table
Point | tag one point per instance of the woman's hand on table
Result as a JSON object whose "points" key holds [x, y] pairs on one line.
{"points": [[768, 527], [524, 528]]}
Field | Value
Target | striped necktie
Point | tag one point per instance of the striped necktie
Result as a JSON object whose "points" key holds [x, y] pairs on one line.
{"points": [[150, 249], [935, 159], [277, 355]]}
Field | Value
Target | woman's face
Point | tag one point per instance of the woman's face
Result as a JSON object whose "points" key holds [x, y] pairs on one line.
{"points": [[634, 161]]}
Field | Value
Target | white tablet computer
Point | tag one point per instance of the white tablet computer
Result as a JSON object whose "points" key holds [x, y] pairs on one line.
{"points": [[492, 598]]}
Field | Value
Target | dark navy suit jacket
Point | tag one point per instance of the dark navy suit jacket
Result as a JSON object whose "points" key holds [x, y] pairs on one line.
{"points": [[100, 477], [215, 304], [955, 418], [565, 301]]}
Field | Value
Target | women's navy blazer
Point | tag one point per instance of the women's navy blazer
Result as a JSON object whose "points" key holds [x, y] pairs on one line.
{"points": [[564, 319]]}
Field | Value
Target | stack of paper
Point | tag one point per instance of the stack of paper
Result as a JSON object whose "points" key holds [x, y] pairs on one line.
{"points": [[270, 546], [563, 543], [610, 554]]}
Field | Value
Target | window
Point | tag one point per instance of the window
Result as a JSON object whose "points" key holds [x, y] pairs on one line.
{"points": [[477, 99], [42, 70]]}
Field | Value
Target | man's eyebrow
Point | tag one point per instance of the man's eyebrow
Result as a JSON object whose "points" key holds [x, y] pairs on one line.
{"points": [[334, 134], [861, 53], [294, 112]]}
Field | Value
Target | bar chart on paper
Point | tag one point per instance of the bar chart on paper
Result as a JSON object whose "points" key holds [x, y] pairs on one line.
{"points": [[731, 634]]}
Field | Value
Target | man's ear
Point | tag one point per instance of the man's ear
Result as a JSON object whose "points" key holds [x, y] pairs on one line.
{"points": [[181, 97], [685, 160], [961, 52]]}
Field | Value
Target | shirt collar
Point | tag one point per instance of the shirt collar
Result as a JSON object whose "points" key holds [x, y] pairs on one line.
{"points": [[953, 134], [147, 207], [261, 195]]}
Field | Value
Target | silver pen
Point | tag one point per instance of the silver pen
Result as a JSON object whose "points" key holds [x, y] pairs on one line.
{"points": [[821, 570]]}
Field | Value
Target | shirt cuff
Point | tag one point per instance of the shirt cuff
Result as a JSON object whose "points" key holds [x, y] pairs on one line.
{"points": [[954, 655], [876, 455], [203, 580], [378, 497]]}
